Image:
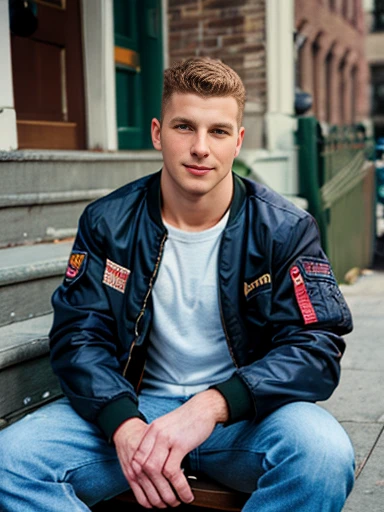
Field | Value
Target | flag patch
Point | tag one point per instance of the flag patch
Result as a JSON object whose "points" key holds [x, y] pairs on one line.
{"points": [[115, 276]]}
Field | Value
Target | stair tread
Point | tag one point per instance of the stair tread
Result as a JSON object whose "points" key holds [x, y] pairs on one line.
{"points": [[24, 340], [21, 263]]}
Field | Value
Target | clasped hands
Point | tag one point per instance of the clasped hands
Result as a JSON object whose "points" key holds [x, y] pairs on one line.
{"points": [[151, 455]]}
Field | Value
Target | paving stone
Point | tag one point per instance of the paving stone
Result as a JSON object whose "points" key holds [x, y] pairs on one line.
{"points": [[355, 399], [368, 493], [363, 437]]}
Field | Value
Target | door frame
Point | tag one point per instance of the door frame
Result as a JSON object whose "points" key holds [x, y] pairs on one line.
{"points": [[8, 127], [99, 68]]}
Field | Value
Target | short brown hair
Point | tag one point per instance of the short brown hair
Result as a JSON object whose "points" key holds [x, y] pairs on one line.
{"points": [[205, 77]]}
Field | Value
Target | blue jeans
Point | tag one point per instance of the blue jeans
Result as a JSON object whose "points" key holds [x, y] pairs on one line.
{"points": [[297, 459]]}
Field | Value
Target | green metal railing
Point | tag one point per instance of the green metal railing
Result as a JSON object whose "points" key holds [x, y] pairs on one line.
{"points": [[337, 178]]}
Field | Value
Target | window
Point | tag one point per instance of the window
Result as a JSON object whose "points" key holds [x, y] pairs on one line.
{"points": [[378, 16], [377, 90]]}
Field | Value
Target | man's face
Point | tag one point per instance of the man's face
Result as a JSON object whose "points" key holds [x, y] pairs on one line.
{"points": [[199, 139]]}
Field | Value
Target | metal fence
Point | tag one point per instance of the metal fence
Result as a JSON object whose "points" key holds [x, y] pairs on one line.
{"points": [[337, 177]]}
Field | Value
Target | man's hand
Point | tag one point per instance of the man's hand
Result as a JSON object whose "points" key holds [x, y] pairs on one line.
{"points": [[154, 470], [127, 438]]}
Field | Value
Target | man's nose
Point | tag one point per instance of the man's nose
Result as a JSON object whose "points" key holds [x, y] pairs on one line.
{"points": [[200, 146]]}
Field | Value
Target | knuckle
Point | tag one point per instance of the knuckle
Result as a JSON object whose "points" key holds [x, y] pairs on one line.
{"points": [[170, 474], [150, 468]]}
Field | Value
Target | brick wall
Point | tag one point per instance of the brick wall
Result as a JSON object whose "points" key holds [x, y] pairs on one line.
{"points": [[233, 31]]}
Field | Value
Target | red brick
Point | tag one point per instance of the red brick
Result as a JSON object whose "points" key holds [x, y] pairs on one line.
{"points": [[178, 3], [222, 3], [179, 26]]}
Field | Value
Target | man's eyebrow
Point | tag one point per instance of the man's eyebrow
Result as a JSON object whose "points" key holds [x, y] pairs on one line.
{"points": [[184, 120], [228, 126]]}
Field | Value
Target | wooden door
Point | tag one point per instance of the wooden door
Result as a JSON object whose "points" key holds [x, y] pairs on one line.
{"points": [[48, 79]]}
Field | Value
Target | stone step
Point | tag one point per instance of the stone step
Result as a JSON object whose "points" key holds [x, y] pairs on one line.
{"points": [[28, 277], [26, 377], [38, 172], [42, 217]]}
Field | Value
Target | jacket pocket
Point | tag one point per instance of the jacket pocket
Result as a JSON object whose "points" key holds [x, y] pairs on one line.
{"points": [[318, 295]]}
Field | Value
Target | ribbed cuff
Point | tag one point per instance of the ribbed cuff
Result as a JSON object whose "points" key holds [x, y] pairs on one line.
{"points": [[115, 413], [238, 398]]}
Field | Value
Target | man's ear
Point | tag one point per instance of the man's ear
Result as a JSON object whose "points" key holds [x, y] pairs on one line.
{"points": [[239, 141], [155, 133]]}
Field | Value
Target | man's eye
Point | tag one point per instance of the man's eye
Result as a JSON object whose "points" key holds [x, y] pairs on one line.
{"points": [[217, 131], [183, 127]]}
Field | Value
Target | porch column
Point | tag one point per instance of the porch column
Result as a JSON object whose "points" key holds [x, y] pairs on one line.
{"points": [[347, 78], [280, 121], [362, 98], [339, 6], [306, 69], [324, 43], [8, 128], [99, 69], [334, 89]]}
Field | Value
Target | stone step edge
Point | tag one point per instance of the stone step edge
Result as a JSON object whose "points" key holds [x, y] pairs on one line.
{"points": [[24, 340], [46, 267], [80, 156], [40, 198]]}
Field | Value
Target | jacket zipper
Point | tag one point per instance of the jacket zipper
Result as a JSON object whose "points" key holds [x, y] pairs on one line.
{"points": [[226, 334], [222, 314], [140, 315]]}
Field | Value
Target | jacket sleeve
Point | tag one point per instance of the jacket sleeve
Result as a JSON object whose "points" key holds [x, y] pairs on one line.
{"points": [[83, 339], [305, 314]]}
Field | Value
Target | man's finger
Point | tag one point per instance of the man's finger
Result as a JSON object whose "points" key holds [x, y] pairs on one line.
{"points": [[140, 495], [174, 474], [146, 446], [148, 487]]}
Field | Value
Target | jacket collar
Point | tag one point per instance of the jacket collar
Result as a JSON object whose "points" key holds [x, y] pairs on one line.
{"points": [[154, 198]]}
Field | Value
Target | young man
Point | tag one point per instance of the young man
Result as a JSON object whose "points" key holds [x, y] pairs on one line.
{"points": [[198, 322]]}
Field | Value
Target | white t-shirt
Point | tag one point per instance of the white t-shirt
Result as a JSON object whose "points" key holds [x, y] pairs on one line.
{"points": [[188, 351]]}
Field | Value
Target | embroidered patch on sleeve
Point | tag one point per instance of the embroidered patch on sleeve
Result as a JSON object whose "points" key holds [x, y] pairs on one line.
{"points": [[264, 279], [115, 276], [76, 263], [317, 268], [302, 297]]}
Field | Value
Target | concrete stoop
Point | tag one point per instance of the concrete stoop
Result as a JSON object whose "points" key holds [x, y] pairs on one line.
{"points": [[43, 194], [26, 377], [28, 277]]}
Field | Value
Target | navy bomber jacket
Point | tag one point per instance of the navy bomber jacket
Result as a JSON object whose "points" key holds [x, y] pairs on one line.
{"points": [[281, 309]]}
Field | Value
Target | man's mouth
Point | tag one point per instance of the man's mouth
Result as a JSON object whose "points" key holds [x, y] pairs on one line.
{"points": [[198, 170]]}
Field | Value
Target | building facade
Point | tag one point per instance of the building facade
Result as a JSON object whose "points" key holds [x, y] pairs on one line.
{"points": [[331, 64], [374, 18], [93, 79]]}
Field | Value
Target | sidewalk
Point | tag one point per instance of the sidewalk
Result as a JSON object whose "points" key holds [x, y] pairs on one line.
{"points": [[358, 402]]}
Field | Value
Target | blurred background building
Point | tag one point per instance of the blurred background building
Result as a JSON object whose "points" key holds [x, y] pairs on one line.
{"points": [[374, 21], [331, 62]]}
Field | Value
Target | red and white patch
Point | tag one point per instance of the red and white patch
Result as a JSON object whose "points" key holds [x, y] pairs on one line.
{"points": [[313, 267], [302, 297], [115, 276]]}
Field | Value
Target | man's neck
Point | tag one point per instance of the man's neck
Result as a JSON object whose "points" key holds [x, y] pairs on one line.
{"points": [[197, 213]]}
